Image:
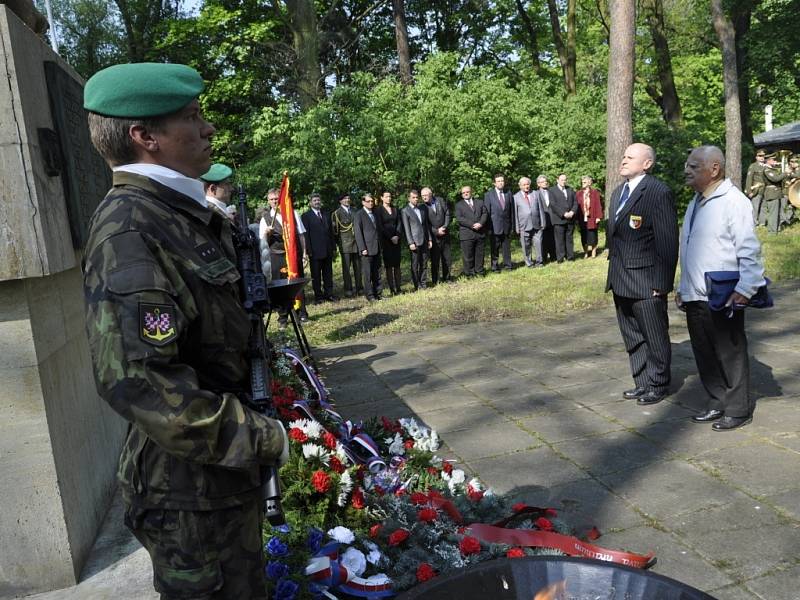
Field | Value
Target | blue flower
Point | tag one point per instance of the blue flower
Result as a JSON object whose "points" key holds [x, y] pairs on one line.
{"points": [[285, 590], [282, 528], [276, 547], [314, 541], [277, 569]]}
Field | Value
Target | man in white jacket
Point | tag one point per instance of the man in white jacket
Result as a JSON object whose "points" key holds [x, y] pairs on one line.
{"points": [[718, 235]]}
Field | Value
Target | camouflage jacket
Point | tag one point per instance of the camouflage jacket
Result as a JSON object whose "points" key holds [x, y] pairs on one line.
{"points": [[168, 338], [754, 182]]}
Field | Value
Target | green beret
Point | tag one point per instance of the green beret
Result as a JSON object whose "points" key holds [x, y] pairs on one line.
{"points": [[218, 172], [141, 90]]}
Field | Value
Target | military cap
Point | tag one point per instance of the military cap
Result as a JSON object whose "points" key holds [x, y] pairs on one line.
{"points": [[760, 153], [217, 173], [771, 155], [141, 90]]}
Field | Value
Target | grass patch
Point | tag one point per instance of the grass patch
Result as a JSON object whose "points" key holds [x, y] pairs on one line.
{"points": [[529, 294]]}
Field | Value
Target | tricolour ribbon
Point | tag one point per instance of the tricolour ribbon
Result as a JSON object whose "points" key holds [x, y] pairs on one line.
{"points": [[326, 570]]}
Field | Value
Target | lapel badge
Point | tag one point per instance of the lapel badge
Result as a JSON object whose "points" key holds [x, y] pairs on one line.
{"points": [[635, 222], [157, 323]]}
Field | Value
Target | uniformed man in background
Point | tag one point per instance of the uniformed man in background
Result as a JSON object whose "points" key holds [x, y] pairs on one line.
{"points": [[787, 209], [346, 240], [773, 192], [754, 187], [218, 187], [169, 339]]}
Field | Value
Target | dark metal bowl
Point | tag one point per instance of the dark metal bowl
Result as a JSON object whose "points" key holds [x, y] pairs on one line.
{"points": [[282, 292]]}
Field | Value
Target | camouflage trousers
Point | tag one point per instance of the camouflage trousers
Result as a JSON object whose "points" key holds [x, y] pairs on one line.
{"points": [[203, 555]]}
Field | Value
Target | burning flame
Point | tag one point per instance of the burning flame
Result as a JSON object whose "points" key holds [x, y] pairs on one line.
{"points": [[554, 591]]}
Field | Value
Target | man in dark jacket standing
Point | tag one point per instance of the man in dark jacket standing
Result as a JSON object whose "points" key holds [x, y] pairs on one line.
{"points": [[500, 207], [440, 217], [342, 219], [642, 242], [417, 232], [563, 210], [472, 218], [169, 339], [319, 232], [368, 241]]}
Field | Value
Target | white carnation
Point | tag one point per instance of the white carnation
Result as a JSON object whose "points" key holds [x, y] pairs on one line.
{"points": [[396, 446], [379, 579], [316, 451], [374, 554], [355, 561], [342, 535], [345, 487]]}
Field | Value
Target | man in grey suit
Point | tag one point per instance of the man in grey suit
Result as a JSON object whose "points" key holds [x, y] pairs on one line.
{"points": [[530, 222], [642, 241], [418, 236], [500, 207], [365, 225]]}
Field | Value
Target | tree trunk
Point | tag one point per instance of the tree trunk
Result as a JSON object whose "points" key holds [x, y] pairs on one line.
{"points": [[668, 99], [566, 54], [305, 40], [733, 118], [741, 15], [401, 37], [533, 39], [621, 65]]}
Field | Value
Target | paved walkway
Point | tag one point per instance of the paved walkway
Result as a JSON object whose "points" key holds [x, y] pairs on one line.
{"points": [[535, 410]]}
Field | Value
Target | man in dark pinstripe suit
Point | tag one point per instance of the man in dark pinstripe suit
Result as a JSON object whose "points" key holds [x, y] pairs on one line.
{"points": [[642, 238]]}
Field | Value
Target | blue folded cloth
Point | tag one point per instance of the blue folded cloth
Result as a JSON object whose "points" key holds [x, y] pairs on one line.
{"points": [[721, 284]]}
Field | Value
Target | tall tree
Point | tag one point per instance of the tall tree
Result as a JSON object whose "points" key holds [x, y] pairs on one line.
{"points": [[621, 62], [305, 41], [566, 51], [142, 21], [667, 99], [401, 37], [733, 117], [531, 36]]}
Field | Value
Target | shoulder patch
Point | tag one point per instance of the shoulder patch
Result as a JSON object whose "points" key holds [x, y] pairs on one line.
{"points": [[157, 323]]}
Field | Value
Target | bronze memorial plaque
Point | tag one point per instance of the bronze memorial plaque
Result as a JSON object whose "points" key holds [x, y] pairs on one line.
{"points": [[84, 173]]}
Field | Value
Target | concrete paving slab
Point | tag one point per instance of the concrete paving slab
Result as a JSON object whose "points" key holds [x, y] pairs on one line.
{"points": [[687, 439], [447, 420], [612, 452], [532, 402], [630, 414], [733, 592], [780, 585], [490, 440], [569, 425]]}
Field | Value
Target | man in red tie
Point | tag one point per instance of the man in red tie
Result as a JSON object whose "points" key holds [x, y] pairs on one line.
{"points": [[530, 221], [499, 205]]}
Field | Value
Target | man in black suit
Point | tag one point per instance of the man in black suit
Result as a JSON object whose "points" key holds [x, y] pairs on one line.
{"points": [[471, 217], [642, 243], [321, 244], [563, 208], [418, 236], [548, 240], [500, 206], [439, 217], [365, 226]]}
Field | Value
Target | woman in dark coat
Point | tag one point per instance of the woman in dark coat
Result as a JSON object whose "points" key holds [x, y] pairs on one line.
{"points": [[391, 233], [590, 213]]}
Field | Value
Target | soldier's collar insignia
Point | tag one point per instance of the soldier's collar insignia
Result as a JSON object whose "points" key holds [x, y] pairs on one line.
{"points": [[157, 323], [208, 252]]}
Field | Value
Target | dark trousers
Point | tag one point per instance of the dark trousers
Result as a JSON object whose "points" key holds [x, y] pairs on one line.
{"points": [[419, 267], [500, 241], [644, 326], [472, 256], [440, 254], [565, 246], [720, 352], [548, 244], [351, 261], [371, 271], [322, 275]]}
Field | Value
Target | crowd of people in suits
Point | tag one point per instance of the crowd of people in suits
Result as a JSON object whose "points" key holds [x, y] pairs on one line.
{"points": [[374, 236]]}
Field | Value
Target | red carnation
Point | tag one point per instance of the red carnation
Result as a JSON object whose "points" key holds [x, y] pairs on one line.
{"points": [[551, 512], [425, 572], [593, 534], [418, 498], [432, 470], [408, 444], [469, 545], [379, 490], [473, 494], [329, 440], [375, 530], [397, 537], [447, 468], [519, 507], [543, 524], [515, 553], [337, 465], [358, 499], [321, 481], [434, 495], [296, 434], [391, 426], [400, 492], [426, 515]]}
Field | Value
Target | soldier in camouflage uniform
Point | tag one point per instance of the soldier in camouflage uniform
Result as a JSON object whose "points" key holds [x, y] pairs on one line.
{"points": [[168, 338], [346, 240], [754, 187], [787, 210], [773, 193]]}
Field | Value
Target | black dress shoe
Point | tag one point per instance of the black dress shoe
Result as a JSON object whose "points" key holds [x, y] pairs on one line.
{"points": [[728, 423], [651, 397], [635, 393], [708, 416]]}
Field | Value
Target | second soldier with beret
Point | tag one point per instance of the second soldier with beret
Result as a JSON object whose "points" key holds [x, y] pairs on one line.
{"points": [[169, 339]]}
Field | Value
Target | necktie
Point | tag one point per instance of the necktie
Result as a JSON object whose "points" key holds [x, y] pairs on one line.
{"points": [[319, 214], [469, 202], [501, 199], [626, 192], [433, 206], [546, 198], [371, 217], [419, 214], [697, 200], [527, 199]]}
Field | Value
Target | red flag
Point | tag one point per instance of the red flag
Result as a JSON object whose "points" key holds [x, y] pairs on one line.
{"points": [[289, 229]]}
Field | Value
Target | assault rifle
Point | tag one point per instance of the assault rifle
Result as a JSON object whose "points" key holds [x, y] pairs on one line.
{"points": [[255, 300]]}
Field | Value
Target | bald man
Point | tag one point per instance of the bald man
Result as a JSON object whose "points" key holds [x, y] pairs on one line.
{"points": [[642, 238], [718, 235]]}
